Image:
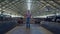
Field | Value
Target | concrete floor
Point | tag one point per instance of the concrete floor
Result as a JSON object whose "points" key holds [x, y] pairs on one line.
{"points": [[34, 29]]}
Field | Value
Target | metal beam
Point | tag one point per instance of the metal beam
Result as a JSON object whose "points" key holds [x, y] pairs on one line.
{"points": [[53, 5], [56, 1]]}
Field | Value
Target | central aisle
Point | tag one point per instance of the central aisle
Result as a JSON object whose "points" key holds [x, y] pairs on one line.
{"points": [[34, 29]]}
